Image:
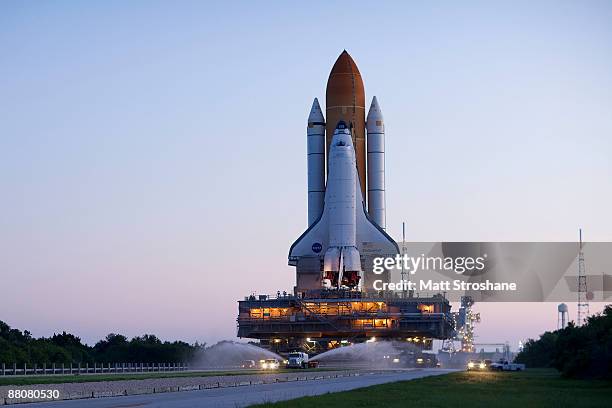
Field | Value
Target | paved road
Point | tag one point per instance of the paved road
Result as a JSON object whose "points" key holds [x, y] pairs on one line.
{"points": [[243, 396]]}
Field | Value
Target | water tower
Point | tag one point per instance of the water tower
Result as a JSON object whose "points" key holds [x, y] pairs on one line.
{"points": [[562, 317]]}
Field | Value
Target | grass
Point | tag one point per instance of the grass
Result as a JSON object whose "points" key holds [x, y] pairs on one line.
{"points": [[531, 388], [60, 379]]}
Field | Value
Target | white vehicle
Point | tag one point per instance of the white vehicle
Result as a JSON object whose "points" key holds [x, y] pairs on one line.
{"points": [[297, 359], [269, 364], [503, 365]]}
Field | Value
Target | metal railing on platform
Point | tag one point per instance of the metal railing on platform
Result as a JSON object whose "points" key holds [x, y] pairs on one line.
{"points": [[96, 368]]}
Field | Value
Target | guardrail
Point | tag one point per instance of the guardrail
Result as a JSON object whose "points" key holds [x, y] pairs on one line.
{"points": [[96, 368], [165, 389]]}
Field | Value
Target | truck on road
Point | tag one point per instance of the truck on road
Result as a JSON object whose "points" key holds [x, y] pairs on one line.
{"points": [[504, 365], [297, 359]]}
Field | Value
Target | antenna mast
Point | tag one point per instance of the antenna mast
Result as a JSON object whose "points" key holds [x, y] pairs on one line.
{"points": [[583, 304], [403, 252]]}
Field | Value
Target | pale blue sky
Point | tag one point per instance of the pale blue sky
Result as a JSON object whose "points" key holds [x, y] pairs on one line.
{"points": [[152, 154]]}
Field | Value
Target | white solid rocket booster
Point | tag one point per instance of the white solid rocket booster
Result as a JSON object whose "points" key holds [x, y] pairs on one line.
{"points": [[376, 164], [316, 162]]}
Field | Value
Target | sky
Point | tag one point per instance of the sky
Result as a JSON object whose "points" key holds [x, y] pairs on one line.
{"points": [[153, 154]]}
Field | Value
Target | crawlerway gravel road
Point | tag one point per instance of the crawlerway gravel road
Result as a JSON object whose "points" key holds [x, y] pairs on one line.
{"points": [[242, 396]]}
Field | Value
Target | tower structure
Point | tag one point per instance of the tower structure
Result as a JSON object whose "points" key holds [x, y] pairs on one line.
{"points": [[562, 317], [466, 320], [583, 303]]}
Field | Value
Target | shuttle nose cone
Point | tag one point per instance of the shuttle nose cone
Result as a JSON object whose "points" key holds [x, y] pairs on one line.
{"points": [[316, 115], [342, 129], [341, 125], [342, 135], [344, 65], [375, 112], [344, 85]]}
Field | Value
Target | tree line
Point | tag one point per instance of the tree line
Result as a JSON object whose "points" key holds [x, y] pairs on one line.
{"points": [[20, 347], [581, 352]]}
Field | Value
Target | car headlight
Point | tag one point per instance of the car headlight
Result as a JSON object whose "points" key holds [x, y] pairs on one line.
{"points": [[470, 365], [482, 365], [264, 365]]}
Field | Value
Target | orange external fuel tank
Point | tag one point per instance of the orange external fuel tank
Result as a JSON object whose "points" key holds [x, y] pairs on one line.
{"points": [[345, 100]]}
